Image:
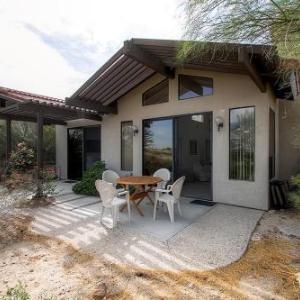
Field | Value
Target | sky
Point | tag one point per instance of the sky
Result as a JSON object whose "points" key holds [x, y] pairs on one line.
{"points": [[51, 47]]}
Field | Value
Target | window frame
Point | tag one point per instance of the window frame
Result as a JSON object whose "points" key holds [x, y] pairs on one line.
{"points": [[178, 88], [229, 152], [121, 148], [156, 85]]}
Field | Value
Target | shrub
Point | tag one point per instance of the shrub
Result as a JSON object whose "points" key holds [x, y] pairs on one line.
{"points": [[16, 293], [294, 195], [87, 185], [22, 159]]}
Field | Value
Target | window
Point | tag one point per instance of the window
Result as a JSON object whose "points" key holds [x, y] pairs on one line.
{"points": [[126, 146], [242, 143], [157, 94], [194, 86], [271, 144]]}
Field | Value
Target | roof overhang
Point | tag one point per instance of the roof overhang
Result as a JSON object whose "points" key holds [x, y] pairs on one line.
{"points": [[53, 111], [139, 59]]}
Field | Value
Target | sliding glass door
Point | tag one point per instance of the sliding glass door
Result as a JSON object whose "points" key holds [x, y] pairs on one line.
{"points": [[83, 150], [75, 153], [158, 145], [182, 144]]}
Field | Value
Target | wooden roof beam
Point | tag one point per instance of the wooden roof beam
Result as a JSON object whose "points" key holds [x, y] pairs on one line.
{"points": [[47, 121], [56, 112], [88, 104], [244, 59], [152, 62]]}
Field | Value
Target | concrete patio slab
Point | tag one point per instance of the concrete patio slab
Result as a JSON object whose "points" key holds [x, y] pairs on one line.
{"points": [[216, 237]]}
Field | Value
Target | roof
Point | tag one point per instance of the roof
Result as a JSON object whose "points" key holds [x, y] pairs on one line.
{"points": [[21, 105], [139, 59]]}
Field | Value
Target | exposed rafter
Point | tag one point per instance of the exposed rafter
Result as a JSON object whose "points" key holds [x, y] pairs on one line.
{"points": [[24, 118], [152, 62], [96, 106], [243, 58]]}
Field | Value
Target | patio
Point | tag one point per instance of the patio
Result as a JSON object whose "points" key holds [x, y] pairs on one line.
{"points": [[204, 238]]}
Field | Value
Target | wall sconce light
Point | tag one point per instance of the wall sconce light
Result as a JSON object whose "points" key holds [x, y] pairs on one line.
{"points": [[135, 130], [219, 122]]}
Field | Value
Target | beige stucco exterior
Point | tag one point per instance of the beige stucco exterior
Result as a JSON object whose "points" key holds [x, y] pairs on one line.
{"points": [[230, 91], [289, 136]]}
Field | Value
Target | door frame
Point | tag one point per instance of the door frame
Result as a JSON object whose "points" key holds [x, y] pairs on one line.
{"points": [[173, 118]]}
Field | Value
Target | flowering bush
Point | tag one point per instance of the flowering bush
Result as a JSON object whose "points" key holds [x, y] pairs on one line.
{"points": [[22, 159]]}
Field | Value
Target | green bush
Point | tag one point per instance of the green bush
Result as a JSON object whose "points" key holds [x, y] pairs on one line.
{"points": [[22, 159], [294, 195], [16, 293], [87, 185]]}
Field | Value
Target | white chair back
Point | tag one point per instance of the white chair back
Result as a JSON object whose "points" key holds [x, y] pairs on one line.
{"points": [[177, 187], [107, 192], [110, 176], [165, 175]]}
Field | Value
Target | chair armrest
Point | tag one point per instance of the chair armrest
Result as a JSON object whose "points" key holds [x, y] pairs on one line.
{"points": [[123, 193], [162, 191]]}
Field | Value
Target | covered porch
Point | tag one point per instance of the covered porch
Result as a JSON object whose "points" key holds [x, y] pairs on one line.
{"points": [[42, 110]]}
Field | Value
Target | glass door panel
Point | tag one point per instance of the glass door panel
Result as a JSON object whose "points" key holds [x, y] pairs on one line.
{"points": [[158, 145], [75, 153], [91, 146], [193, 154]]}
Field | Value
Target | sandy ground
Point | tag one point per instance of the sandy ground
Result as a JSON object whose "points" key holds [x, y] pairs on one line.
{"points": [[270, 268]]}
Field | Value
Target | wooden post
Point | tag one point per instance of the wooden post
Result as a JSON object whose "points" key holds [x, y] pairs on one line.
{"points": [[8, 140], [39, 153]]}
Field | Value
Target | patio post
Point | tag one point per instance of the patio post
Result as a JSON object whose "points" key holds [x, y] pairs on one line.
{"points": [[8, 141], [39, 153]]}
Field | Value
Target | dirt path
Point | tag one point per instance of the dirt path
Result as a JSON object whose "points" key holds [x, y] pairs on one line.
{"points": [[49, 267]]}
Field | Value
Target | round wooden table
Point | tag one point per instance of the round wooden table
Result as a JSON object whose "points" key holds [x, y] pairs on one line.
{"points": [[140, 183]]}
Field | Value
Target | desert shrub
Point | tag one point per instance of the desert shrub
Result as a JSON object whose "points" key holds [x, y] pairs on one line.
{"points": [[87, 185], [22, 159], [16, 293]]}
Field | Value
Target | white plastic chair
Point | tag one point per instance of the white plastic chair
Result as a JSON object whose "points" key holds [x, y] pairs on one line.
{"points": [[165, 196], [111, 199], [112, 177], [165, 175]]}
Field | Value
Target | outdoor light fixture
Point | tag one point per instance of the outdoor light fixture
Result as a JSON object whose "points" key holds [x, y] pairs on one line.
{"points": [[135, 130], [219, 122]]}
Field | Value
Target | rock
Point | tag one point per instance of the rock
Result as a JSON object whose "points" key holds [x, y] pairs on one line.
{"points": [[100, 292]]}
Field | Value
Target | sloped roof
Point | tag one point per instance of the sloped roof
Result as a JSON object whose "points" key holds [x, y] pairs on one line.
{"points": [[23, 105], [139, 59]]}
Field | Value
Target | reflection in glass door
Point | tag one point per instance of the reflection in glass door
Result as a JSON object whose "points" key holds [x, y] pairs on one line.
{"points": [[75, 153], [83, 150], [158, 145], [91, 146], [183, 144]]}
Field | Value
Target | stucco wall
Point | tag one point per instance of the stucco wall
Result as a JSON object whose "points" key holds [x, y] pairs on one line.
{"points": [[289, 136], [230, 91]]}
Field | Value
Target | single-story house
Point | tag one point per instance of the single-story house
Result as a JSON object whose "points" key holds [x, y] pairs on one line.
{"points": [[225, 121], [215, 120]]}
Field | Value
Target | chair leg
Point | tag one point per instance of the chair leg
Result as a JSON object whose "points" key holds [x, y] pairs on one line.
{"points": [[179, 208], [114, 212], [154, 209], [171, 210], [129, 212], [102, 213]]}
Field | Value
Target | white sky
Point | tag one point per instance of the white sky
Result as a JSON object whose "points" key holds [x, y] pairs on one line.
{"points": [[52, 46]]}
